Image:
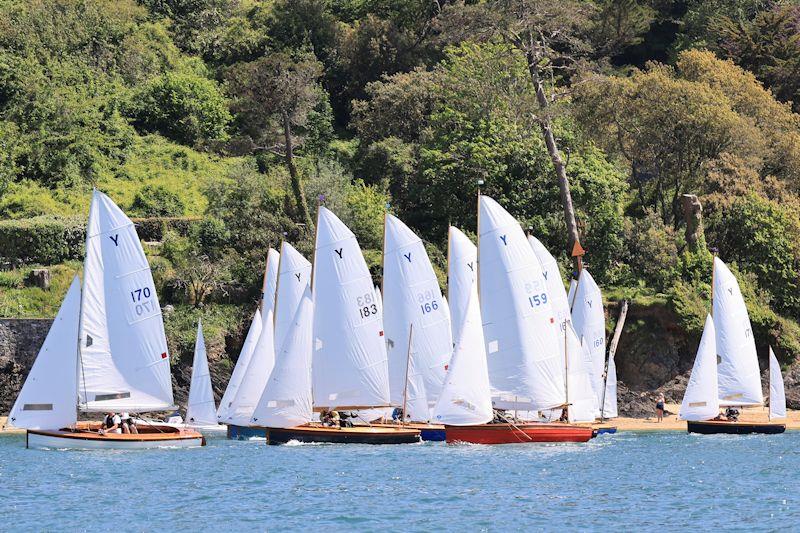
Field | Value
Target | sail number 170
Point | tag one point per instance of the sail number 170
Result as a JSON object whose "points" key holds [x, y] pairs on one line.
{"points": [[140, 299]]}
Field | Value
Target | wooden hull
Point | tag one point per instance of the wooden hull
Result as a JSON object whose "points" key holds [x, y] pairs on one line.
{"points": [[352, 435], [86, 439], [716, 427], [518, 434]]}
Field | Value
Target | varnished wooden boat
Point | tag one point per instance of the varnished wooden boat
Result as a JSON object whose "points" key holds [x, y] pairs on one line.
{"points": [[715, 427], [518, 433], [340, 435], [86, 437]]}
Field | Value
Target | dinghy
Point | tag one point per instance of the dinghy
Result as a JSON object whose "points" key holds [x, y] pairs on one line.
{"points": [[725, 372], [121, 363], [201, 412], [349, 369], [253, 332]]}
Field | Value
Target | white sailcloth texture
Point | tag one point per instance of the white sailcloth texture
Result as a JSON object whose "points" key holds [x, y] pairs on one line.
{"points": [[294, 276], [253, 333], [123, 350], [777, 395], [462, 271], [555, 285], [580, 396], [47, 399], [411, 295], [200, 410], [700, 401], [349, 364], [270, 284], [610, 399], [466, 397], [286, 400], [418, 407], [255, 377], [525, 363], [589, 321], [739, 376]]}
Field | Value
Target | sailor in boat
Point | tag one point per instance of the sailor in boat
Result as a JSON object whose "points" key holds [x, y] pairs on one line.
{"points": [[128, 424], [112, 423]]}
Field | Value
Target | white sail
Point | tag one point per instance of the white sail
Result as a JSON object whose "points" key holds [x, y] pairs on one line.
{"points": [[573, 284], [411, 295], [418, 407], [777, 395], [270, 284], [589, 321], [286, 400], [253, 333], [580, 396], [379, 299], [466, 396], [525, 364], [294, 275], [555, 285], [124, 361], [610, 399], [255, 377], [200, 409], [700, 401], [739, 376], [462, 271], [349, 366], [48, 396]]}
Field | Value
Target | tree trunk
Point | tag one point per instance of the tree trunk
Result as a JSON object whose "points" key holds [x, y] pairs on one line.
{"points": [[297, 185], [693, 216], [552, 148]]}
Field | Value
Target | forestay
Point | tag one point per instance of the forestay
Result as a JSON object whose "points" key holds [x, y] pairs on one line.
{"points": [[411, 295], [589, 321], [580, 396], [270, 284], [124, 361], [777, 394], [255, 377], [253, 333], [349, 363], [466, 395], [739, 376], [47, 399], [700, 401], [462, 271], [286, 400], [294, 276], [525, 363], [200, 410]]}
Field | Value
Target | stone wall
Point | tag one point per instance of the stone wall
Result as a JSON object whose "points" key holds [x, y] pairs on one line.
{"points": [[20, 340]]}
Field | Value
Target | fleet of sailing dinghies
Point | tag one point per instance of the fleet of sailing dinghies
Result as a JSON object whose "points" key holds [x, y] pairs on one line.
{"points": [[412, 298], [725, 371], [121, 362], [201, 412], [240, 369], [589, 321]]}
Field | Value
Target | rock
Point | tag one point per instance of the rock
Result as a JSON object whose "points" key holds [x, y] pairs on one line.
{"points": [[38, 277]]}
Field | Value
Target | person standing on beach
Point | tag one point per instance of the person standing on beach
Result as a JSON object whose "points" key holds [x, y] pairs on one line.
{"points": [[660, 407]]}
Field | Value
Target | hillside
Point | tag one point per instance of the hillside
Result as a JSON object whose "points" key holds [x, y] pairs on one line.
{"points": [[220, 124]]}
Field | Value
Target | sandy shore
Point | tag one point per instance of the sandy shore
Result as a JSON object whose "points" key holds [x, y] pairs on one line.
{"points": [[671, 422]]}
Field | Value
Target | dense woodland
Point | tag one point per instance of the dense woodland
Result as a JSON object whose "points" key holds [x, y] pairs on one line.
{"points": [[222, 123]]}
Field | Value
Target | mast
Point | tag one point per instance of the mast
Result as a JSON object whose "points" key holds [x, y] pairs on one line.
{"points": [[566, 370], [79, 367], [408, 365]]}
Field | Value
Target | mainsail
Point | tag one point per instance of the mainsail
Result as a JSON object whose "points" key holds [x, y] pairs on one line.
{"points": [[739, 376], [777, 395], [253, 333], [589, 321], [580, 396], [124, 361], [610, 397], [525, 364], [294, 276], [270, 284], [462, 271], [200, 409], [466, 395], [555, 285], [700, 401], [255, 377], [349, 364], [411, 295], [286, 400], [48, 396]]}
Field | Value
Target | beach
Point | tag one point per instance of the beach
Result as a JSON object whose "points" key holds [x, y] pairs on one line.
{"points": [[671, 422]]}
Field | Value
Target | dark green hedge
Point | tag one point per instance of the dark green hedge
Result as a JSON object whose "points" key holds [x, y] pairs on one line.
{"points": [[49, 240]]}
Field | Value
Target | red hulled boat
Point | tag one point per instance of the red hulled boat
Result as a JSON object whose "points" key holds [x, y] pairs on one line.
{"points": [[518, 433]]}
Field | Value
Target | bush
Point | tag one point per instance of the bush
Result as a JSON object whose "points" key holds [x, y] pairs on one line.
{"points": [[157, 201], [46, 240], [154, 228]]}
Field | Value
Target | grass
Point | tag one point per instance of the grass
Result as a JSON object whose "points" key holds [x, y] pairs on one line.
{"points": [[19, 301]]}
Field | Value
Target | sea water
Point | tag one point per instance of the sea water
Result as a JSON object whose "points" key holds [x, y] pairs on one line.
{"points": [[650, 481]]}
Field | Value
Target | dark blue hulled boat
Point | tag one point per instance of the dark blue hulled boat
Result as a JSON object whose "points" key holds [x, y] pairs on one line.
{"points": [[245, 432], [713, 427]]}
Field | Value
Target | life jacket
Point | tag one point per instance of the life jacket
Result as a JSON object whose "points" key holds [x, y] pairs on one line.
{"points": [[108, 422]]}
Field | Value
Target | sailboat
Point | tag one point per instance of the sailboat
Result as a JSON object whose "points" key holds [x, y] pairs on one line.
{"points": [[106, 350], [525, 365], [412, 299], [726, 373], [589, 321], [201, 413], [250, 340], [349, 368]]}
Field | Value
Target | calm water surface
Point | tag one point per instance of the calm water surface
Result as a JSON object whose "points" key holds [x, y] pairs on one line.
{"points": [[637, 480]]}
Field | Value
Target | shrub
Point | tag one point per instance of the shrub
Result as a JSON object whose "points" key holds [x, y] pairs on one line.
{"points": [[46, 239], [157, 201]]}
